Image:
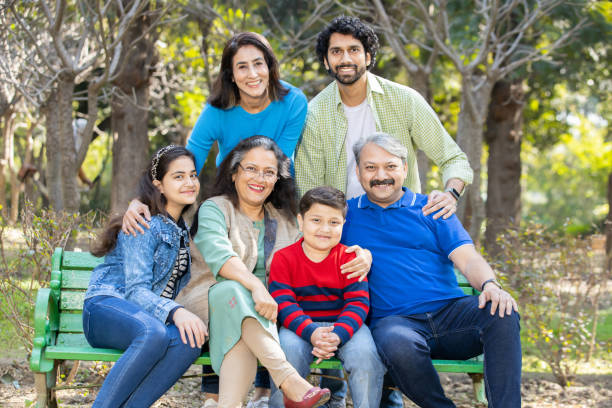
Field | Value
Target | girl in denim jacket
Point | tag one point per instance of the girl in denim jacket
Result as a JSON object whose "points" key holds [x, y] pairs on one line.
{"points": [[129, 304]]}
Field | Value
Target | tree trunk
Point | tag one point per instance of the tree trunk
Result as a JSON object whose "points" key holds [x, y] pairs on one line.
{"points": [[130, 115], [5, 158], [54, 152], [504, 136], [608, 227], [470, 129]]}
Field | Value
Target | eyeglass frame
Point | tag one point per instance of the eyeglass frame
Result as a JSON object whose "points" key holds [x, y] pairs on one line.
{"points": [[255, 173]]}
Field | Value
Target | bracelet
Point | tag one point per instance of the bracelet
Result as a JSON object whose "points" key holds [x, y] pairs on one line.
{"points": [[493, 281]]}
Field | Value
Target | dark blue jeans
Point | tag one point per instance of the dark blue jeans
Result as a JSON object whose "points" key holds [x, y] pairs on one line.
{"points": [[457, 331], [154, 355]]}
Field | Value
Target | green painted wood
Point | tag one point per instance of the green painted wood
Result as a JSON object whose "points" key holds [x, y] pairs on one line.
{"points": [[458, 366], [71, 300], [71, 340], [71, 322], [75, 279], [84, 353], [80, 260]]}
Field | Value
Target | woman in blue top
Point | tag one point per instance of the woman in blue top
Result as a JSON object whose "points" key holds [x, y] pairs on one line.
{"points": [[129, 304], [248, 99]]}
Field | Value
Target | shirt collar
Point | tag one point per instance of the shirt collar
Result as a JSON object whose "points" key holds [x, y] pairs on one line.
{"points": [[373, 86], [407, 200]]}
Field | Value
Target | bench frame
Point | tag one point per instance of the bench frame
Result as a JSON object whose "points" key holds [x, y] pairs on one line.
{"points": [[58, 332]]}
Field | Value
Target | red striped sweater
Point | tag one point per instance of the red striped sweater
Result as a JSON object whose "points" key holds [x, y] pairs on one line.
{"points": [[308, 292]]}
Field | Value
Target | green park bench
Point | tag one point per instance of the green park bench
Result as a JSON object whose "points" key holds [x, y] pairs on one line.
{"points": [[58, 330]]}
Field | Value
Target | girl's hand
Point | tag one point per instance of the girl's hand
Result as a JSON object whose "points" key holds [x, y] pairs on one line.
{"points": [[265, 304], [190, 326]]}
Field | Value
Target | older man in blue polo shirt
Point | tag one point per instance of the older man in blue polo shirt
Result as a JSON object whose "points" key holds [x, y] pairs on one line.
{"points": [[417, 311]]}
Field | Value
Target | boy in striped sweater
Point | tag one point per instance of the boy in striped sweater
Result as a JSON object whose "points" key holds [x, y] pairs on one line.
{"points": [[320, 309]]}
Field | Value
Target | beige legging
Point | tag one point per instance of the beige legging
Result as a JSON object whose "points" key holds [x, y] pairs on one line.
{"points": [[240, 363]]}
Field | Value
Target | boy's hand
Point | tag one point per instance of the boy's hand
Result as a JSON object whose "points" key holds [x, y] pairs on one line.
{"points": [[360, 266], [132, 220], [325, 342]]}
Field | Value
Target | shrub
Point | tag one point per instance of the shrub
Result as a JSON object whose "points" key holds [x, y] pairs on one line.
{"points": [[24, 270], [558, 280]]}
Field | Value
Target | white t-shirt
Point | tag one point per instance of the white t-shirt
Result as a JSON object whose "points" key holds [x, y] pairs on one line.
{"points": [[361, 124]]}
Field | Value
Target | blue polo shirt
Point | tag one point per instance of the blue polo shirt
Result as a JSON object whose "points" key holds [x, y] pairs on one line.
{"points": [[411, 272]]}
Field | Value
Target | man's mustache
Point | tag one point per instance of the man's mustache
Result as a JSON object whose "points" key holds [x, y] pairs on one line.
{"points": [[354, 66], [382, 182]]}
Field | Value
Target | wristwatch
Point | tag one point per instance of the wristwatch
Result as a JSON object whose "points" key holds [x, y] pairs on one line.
{"points": [[493, 281], [453, 192]]}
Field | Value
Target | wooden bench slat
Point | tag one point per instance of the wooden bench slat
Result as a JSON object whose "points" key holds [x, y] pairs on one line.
{"points": [[71, 300], [71, 340], [71, 322], [458, 366], [80, 260], [75, 279]]}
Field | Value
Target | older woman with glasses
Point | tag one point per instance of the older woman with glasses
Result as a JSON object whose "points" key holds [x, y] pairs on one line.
{"points": [[250, 214]]}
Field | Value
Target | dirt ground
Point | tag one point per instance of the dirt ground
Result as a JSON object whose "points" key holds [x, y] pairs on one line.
{"points": [[539, 390]]}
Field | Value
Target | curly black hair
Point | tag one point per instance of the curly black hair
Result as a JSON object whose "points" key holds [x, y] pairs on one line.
{"points": [[354, 27]]}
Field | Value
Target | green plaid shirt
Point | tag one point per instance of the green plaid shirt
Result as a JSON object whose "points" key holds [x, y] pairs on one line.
{"points": [[399, 111]]}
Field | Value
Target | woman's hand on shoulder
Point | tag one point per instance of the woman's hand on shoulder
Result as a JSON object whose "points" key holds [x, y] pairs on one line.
{"points": [[191, 327], [133, 220], [265, 304], [360, 266]]}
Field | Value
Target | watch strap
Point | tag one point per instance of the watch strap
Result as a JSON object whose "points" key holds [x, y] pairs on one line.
{"points": [[453, 192]]}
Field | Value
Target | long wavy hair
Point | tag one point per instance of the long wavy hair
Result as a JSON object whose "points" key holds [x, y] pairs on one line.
{"points": [[225, 94], [284, 195], [148, 194]]}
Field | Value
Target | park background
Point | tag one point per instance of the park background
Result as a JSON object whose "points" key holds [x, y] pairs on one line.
{"points": [[90, 88]]}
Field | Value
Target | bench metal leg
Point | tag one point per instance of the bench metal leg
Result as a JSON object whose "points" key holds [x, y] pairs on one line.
{"points": [[479, 389], [44, 384]]}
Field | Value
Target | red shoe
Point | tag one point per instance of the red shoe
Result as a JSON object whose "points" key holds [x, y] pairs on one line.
{"points": [[315, 397]]}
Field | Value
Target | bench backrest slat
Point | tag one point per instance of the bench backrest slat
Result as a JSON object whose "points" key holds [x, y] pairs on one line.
{"points": [[70, 300], [75, 279], [71, 322], [79, 260], [71, 339]]}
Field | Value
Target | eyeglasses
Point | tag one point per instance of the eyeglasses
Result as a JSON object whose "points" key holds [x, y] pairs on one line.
{"points": [[252, 171]]}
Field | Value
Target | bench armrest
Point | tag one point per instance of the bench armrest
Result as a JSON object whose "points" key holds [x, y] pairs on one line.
{"points": [[46, 325]]}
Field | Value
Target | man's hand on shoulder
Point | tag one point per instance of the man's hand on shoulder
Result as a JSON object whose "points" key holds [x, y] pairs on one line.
{"points": [[360, 265], [499, 298], [133, 220], [443, 204]]}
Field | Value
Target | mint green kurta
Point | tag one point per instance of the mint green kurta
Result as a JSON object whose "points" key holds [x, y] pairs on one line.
{"points": [[229, 302]]}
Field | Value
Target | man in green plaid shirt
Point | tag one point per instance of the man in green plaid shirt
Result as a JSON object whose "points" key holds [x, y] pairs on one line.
{"points": [[359, 103]]}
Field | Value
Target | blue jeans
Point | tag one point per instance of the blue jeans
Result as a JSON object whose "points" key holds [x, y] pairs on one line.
{"points": [[460, 330], [359, 358], [154, 355]]}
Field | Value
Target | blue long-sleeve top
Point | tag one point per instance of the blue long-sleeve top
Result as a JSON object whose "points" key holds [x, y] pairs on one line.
{"points": [[281, 121]]}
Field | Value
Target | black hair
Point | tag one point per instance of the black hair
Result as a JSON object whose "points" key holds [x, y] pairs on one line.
{"points": [[148, 194], [225, 93], [348, 25], [284, 195], [325, 195]]}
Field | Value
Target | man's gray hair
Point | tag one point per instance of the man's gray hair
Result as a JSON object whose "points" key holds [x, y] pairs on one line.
{"points": [[384, 141]]}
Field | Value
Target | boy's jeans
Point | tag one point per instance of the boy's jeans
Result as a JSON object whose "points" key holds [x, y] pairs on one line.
{"points": [[359, 358]]}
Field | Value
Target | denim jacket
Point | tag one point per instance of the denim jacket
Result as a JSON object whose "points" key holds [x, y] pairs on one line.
{"points": [[138, 268]]}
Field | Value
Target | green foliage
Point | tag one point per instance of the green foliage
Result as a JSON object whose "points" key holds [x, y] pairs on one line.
{"points": [[24, 270], [566, 184], [559, 281]]}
